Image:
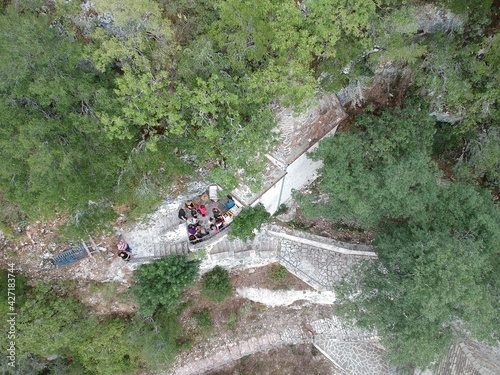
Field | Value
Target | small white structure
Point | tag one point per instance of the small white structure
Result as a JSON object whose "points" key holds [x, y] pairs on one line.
{"points": [[213, 191], [288, 167]]}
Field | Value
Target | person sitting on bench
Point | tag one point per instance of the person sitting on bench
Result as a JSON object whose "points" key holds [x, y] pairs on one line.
{"points": [[230, 203]]}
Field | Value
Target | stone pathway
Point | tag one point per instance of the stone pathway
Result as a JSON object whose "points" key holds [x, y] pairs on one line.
{"points": [[360, 343], [240, 349], [358, 357]]}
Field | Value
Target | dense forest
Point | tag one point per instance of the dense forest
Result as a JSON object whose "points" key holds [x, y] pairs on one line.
{"points": [[110, 102], [113, 102]]}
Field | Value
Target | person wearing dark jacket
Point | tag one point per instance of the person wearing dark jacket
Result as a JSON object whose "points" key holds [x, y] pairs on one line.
{"points": [[216, 212], [182, 214], [124, 255], [194, 239], [190, 206]]}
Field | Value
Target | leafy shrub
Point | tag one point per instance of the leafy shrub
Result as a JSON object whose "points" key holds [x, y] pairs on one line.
{"points": [[203, 319], [278, 272], [161, 282], [281, 210], [247, 221], [216, 285]]}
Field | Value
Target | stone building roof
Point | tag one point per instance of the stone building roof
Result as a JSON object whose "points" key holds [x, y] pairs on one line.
{"points": [[298, 133], [470, 358]]}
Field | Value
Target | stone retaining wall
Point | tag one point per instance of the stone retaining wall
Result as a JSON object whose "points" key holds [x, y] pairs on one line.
{"points": [[319, 267], [320, 240], [319, 261]]}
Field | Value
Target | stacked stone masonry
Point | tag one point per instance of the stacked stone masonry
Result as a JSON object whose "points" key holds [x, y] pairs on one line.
{"points": [[318, 267]]}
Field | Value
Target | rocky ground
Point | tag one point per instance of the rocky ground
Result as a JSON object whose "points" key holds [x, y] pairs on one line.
{"points": [[32, 253], [32, 248]]}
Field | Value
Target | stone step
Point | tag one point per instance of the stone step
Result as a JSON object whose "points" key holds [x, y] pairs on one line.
{"points": [[239, 245], [183, 248], [171, 223], [221, 247], [165, 248], [225, 246]]}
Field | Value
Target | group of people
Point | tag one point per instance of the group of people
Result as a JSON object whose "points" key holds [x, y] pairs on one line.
{"points": [[195, 228], [196, 232], [124, 250], [201, 209]]}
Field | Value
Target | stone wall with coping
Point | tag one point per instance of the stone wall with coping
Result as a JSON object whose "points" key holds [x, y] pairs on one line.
{"points": [[321, 262], [320, 240], [319, 267]]}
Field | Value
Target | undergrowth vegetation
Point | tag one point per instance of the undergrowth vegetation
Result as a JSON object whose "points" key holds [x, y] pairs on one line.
{"points": [[278, 273], [216, 284], [51, 323]]}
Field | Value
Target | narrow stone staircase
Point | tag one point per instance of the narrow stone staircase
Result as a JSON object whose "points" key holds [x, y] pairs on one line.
{"points": [[225, 246], [162, 249]]}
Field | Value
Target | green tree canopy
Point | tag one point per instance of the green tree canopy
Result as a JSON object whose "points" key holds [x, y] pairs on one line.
{"points": [[54, 151], [436, 276], [435, 279], [248, 221], [59, 151], [161, 282], [266, 40], [380, 169], [49, 322]]}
